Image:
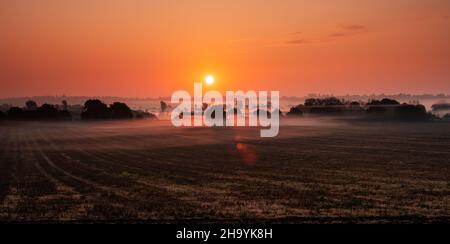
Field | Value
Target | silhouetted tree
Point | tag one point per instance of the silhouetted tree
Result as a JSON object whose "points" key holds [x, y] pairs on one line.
{"points": [[387, 101], [120, 111], [44, 112], [295, 111], [446, 117], [217, 107], [381, 108], [65, 115], [330, 101], [139, 114], [95, 109], [49, 112], [312, 102], [15, 113], [441, 106], [5, 107], [411, 112], [2, 115], [383, 102], [163, 106], [376, 109], [329, 105], [406, 112], [31, 105], [354, 108], [268, 113], [65, 106], [204, 107]]}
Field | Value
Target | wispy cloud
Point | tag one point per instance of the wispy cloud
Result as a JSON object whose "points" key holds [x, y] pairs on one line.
{"points": [[297, 41], [348, 30], [340, 34], [308, 41], [343, 31], [353, 27]]}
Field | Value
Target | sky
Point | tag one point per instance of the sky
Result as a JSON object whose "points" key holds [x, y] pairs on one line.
{"points": [[151, 48]]}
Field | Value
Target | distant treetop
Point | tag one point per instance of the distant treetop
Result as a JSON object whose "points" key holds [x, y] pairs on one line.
{"points": [[329, 101], [31, 105], [384, 101]]}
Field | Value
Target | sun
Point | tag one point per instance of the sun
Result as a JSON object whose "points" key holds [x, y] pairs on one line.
{"points": [[209, 79]]}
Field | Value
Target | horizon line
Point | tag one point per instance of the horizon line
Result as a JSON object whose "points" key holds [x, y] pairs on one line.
{"points": [[285, 96]]}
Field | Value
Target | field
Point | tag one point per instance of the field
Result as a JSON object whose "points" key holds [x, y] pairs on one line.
{"points": [[315, 171]]}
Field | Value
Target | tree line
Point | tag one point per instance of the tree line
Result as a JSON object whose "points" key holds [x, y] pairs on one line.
{"points": [[93, 109], [376, 109]]}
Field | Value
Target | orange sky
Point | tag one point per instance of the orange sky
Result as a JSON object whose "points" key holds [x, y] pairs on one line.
{"points": [[149, 48]]}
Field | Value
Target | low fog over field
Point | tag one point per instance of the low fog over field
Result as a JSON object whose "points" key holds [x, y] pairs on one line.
{"points": [[316, 170]]}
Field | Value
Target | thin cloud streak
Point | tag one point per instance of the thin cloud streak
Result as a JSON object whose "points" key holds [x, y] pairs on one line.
{"points": [[344, 31]]}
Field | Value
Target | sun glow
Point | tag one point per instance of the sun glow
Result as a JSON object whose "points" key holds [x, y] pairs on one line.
{"points": [[209, 79]]}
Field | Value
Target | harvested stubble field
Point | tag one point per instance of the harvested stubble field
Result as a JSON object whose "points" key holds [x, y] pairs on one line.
{"points": [[315, 171]]}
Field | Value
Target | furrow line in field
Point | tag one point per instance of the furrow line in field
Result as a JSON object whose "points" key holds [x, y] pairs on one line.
{"points": [[131, 199]]}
